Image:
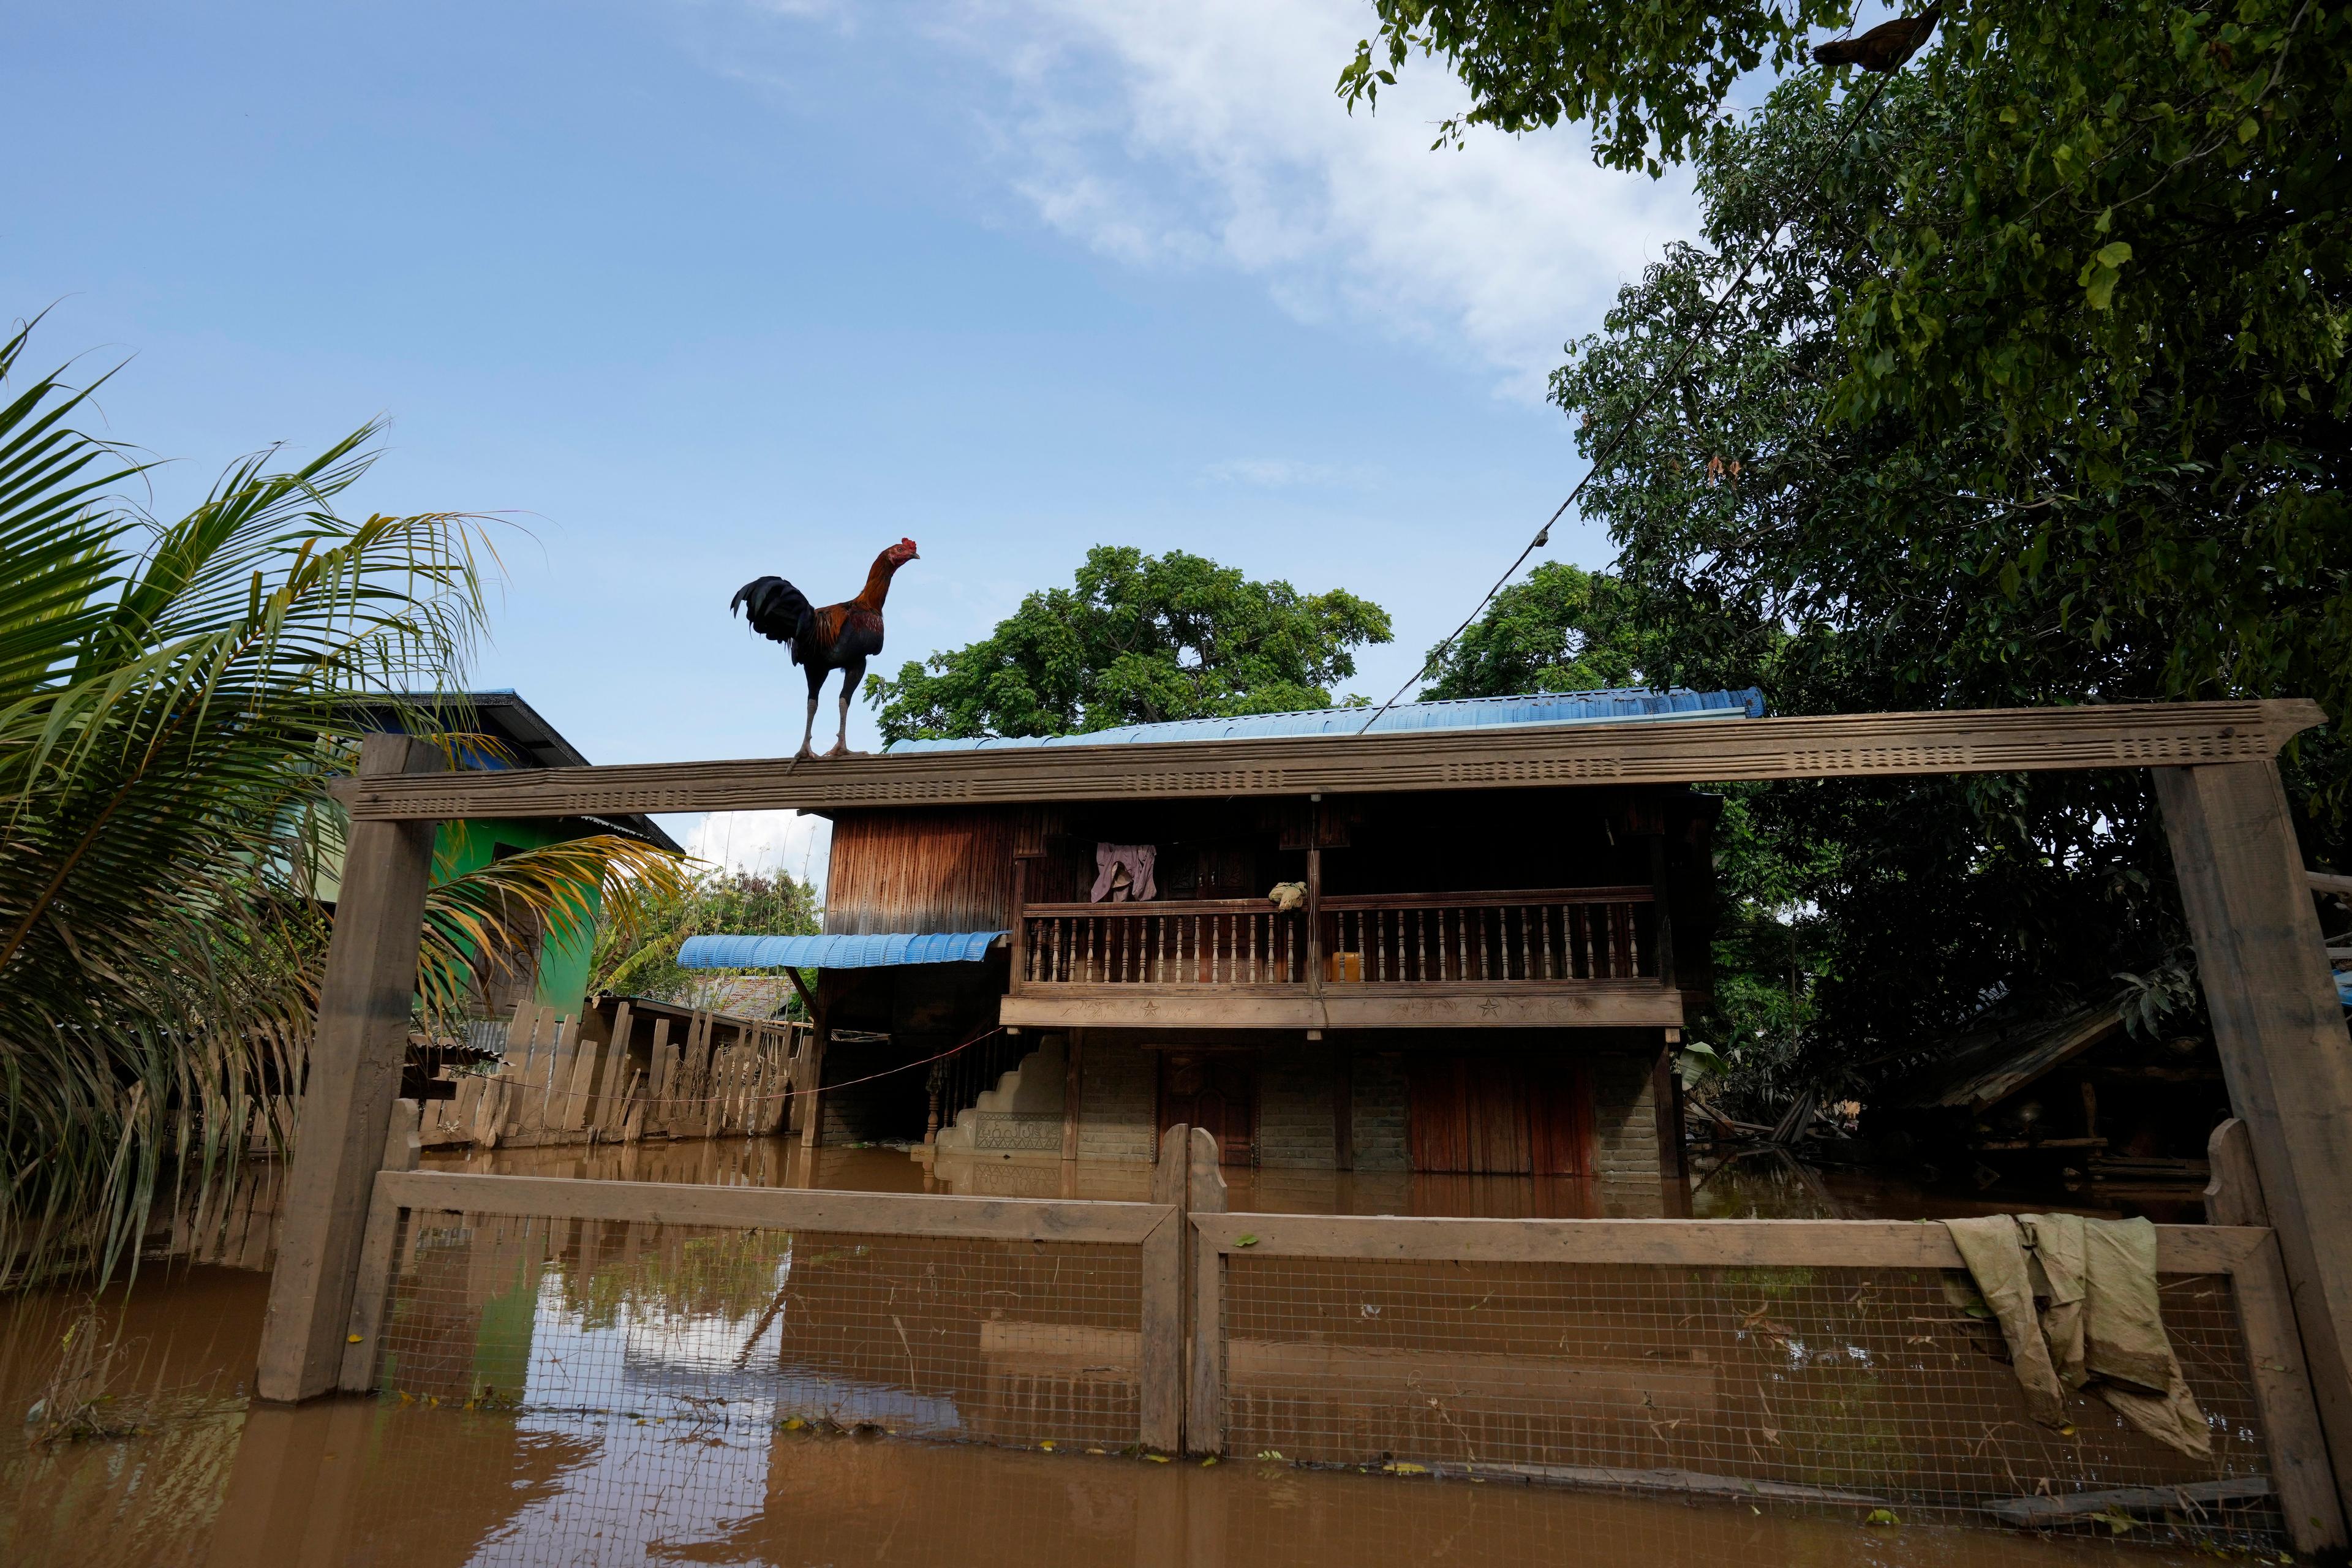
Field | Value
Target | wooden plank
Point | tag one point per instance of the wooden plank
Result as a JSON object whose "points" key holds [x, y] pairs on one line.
{"points": [[580, 1084], [1729, 1243], [1160, 1375], [812, 1097], [1205, 1382], [2279, 1030], [778, 1208], [1682, 751], [664, 1068], [403, 1146], [612, 1107], [2283, 1393], [1172, 1172], [1499, 898], [2233, 1192], [2041, 1510], [1504, 1005], [2329, 882], [354, 1076]]}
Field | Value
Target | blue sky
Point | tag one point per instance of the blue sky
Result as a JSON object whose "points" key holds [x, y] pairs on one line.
{"points": [[692, 291]]}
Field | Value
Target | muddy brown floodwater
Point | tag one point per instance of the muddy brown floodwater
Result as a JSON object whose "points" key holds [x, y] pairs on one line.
{"points": [[127, 1437]]}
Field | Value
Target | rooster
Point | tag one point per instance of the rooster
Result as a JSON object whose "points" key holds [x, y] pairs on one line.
{"points": [[839, 637], [1885, 47]]}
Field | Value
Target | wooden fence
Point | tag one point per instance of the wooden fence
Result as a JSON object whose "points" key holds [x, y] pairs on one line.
{"points": [[1815, 1362], [722, 1076]]}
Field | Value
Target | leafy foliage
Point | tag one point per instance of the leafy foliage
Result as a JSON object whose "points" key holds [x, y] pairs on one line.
{"points": [[643, 960], [1563, 629], [605, 883], [175, 698], [2038, 396], [1137, 639]]}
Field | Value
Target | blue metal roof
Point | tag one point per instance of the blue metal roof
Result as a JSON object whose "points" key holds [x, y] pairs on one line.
{"points": [[835, 951], [1616, 706]]}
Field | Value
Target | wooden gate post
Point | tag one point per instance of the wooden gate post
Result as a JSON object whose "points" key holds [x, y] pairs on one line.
{"points": [[347, 1095], [2284, 1053]]}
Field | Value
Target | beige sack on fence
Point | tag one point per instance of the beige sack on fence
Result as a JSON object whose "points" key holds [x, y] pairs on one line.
{"points": [[2076, 1300]]}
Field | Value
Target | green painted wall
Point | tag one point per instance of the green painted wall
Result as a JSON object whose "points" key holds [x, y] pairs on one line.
{"points": [[564, 955]]}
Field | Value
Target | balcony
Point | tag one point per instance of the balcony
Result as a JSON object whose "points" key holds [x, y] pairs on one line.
{"points": [[1582, 957]]}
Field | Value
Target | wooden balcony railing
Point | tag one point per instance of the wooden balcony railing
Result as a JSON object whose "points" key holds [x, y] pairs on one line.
{"points": [[1532, 937], [1556, 935], [1200, 942]]}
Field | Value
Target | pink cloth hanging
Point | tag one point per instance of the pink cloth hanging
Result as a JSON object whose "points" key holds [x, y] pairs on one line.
{"points": [[1136, 860]]}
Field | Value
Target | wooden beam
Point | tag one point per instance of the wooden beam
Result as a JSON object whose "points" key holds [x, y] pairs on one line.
{"points": [[1536, 1005], [354, 1078], [1727, 1243], [808, 1002], [774, 1208], [2280, 1032], [2329, 882], [1678, 751]]}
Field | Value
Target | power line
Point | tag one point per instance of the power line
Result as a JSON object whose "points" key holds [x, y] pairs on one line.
{"points": [[1617, 437]]}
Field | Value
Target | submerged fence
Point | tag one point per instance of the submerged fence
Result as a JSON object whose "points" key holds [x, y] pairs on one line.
{"points": [[1838, 1365]]}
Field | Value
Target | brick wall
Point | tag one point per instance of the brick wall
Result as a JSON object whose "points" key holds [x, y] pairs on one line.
{"points": [[1624, 1121]]}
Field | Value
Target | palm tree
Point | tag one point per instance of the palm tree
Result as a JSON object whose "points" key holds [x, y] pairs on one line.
{"points": [[175, 698]]}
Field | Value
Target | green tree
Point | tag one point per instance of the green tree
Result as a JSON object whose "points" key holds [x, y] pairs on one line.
{"points": [[642, 961], [2036, 393], [1563, 629], [1137, 639], [2080, 294]]}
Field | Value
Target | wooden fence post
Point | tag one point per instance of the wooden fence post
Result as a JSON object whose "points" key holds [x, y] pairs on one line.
{"points": [[1160, 1364], [352, 1079], [1205, 1414], [2284, 1054]]}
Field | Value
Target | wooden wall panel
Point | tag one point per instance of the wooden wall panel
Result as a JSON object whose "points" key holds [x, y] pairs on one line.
{"points": [[935, 869]]}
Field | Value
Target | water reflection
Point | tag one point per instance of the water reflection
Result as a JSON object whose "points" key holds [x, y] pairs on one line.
{"points": [[376, 1482]]}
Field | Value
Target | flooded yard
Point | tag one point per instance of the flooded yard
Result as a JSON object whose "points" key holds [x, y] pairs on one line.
{"points": [[200, 1476], [604, 1406]]}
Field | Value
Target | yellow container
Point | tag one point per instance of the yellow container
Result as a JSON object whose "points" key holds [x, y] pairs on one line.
{"points": [[1343, 968]]}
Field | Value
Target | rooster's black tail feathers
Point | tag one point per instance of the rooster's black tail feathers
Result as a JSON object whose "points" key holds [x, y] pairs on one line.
{"points": [[775, 608]]}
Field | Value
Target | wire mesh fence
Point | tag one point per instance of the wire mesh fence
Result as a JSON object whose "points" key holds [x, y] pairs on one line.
{"points": [[1863, 1389], [1873, 1391], [1017, 1341]]}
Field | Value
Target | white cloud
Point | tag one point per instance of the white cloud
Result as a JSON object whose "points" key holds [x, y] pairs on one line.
{"points": [[763, 842], [1190, 132], [1283, 473]]}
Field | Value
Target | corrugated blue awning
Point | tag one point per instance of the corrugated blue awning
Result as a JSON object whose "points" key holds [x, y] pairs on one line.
{"points": [[836, 951], [1616, 706]]}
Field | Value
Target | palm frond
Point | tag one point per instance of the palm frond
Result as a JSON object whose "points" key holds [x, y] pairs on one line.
{"points": [[487, 916], [173, 699]]}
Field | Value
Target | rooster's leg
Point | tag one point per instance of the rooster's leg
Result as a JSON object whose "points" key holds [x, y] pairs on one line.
{"points": [[841, 741], [852, 674], [808, 735]]}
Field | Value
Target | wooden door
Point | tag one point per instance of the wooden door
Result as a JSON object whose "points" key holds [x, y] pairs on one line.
{"points": [[1495, 1114], [1215, 1089]]}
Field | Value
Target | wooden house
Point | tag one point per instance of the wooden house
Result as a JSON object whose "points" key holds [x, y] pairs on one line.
{"points": [[1487, 981]]}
